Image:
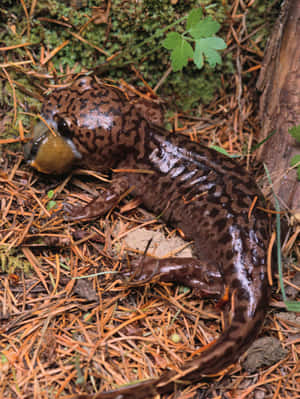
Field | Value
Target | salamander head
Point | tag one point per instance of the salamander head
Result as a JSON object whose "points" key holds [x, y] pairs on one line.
{"points": [[93, 123]]}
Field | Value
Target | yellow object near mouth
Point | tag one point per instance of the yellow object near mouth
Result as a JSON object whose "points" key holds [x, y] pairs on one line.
{"points": [[50, 154], [36, 166]]}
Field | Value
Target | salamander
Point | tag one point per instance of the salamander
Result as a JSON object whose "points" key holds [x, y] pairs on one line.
{"points": [[210, 197]]}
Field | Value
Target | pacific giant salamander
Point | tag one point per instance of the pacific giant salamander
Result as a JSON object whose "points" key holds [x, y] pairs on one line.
{"points": [[204, 193]]}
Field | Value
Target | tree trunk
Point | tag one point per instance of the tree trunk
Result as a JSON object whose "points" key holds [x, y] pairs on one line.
{"points": [[279, 82]]}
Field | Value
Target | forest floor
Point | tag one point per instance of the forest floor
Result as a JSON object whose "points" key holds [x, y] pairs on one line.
{"points": [[70, 323]]}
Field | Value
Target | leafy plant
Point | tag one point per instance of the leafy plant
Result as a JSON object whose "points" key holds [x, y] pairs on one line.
{"points": [[295, 132], [200, 31], [223, 151], [295, 161], [51, 203]]}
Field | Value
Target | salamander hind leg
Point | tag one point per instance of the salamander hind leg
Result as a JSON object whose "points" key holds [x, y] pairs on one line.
{"points": [[205, 278]]}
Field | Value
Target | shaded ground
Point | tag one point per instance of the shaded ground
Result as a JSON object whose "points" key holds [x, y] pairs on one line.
{"points": [[60, 334], [58, 331]]}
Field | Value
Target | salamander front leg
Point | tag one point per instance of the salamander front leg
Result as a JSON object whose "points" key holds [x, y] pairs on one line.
{"points": [[205, 278], [100, 205]]}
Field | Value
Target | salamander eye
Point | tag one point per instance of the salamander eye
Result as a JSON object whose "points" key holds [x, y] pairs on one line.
{"points": [[34, 149], [63, 129]]}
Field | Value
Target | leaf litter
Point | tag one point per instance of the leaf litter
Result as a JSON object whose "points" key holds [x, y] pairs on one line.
{"points": [[60, 334]]}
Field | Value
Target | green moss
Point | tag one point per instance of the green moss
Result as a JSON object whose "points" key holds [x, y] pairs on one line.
{"points": [[130, 24], [13, 260], [24, 103]]}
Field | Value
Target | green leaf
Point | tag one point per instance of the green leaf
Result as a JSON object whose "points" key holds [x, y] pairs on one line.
{"points": [[50, 194], [172, 41], [214, 42], [294, 161], [180, 55], [292, 306], [204, 28], [223, 151], [51, 204], [194, 17], [184, 289], [256, 146], [219, 149], [212, 57], [198, 56], [295, 132], [208, 48], [3, 358], [88, 317]]}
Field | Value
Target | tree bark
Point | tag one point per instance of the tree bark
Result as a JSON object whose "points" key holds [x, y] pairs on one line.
{"points": [[279, 82]]}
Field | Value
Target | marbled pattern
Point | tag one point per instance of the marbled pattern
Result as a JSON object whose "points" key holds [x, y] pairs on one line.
{"points": [[192, 187]]}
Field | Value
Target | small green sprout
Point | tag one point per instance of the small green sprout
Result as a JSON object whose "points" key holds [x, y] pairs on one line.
{"points": [[295, 161]]}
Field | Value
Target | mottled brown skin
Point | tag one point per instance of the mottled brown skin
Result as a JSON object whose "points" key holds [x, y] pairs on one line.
{"points": [[194, 188]]}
